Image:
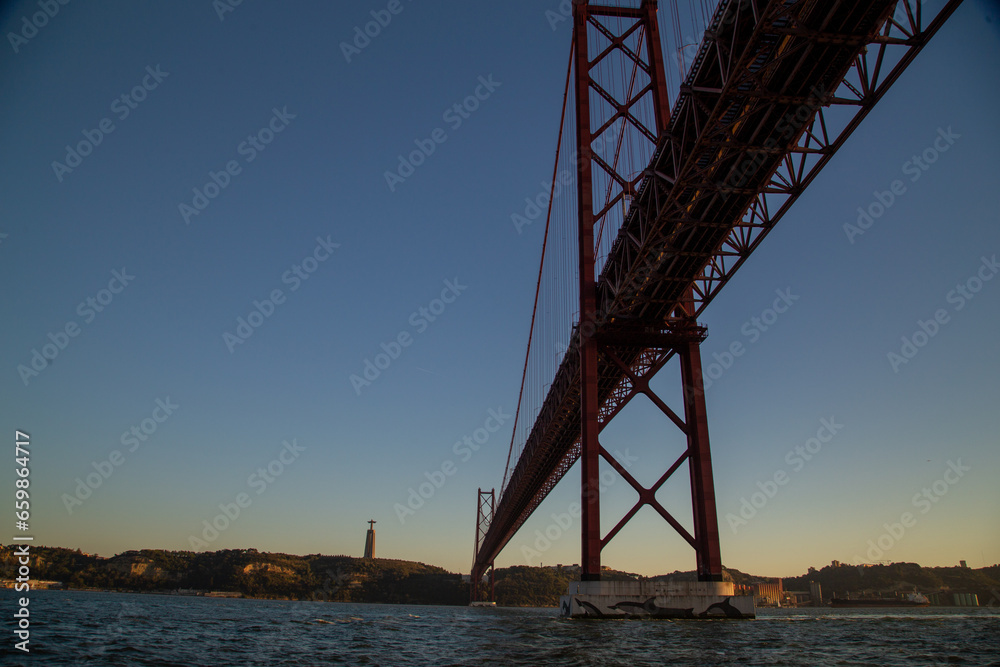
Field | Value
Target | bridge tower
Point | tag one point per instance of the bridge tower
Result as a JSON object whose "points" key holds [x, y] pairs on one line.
{"points": [[603, 335], [485, 504]]}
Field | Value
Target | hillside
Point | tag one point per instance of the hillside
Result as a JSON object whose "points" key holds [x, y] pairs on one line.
{"points": [[248, 572], [901, 577]]}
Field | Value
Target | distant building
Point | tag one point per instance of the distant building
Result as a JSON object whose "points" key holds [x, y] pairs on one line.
{"points": [[815, 593], [965, 566], [835, 563], [370, 540], [797, 598], [768, 593]]}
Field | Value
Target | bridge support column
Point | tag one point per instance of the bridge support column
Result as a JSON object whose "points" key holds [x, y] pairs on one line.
{"points": [[590, 448], [706, 524]]}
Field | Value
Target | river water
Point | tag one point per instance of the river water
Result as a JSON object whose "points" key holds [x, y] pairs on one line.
{"points": [[84, 628]]}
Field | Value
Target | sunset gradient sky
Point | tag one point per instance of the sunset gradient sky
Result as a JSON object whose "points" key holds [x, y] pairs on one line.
{"points": [[287, 136]]}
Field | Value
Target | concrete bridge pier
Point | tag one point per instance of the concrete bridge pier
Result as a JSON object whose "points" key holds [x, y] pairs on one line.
{"points": [[655, 599]]}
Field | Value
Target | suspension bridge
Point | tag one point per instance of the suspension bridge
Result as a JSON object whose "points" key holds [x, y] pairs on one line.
{"points": [[661, 199]]}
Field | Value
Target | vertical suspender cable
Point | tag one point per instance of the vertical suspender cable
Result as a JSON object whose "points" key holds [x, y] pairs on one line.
{"points": [[538, 285]]}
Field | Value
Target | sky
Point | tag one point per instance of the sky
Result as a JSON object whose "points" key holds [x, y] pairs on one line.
{"points": [[199, 247]]}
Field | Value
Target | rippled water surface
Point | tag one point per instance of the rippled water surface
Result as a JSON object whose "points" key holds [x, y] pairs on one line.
{"points": [[76, 628]]}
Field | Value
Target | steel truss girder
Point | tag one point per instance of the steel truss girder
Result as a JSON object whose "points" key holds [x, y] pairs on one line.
{"points": [[690, 170]]}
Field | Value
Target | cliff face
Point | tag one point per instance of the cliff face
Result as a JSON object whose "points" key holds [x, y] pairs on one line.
{"points": [[250, 573], [267, 567], [138, 567]]}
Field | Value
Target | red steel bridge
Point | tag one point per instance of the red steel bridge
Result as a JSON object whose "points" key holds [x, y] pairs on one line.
{"points": [[654, 206]]}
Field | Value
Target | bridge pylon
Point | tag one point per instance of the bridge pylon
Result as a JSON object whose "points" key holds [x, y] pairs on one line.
{"points": [[485, 505], [603, 336], [638, 347]]}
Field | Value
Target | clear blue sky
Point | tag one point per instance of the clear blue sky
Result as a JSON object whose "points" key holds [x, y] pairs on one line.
{"points": [[332, 129]]}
